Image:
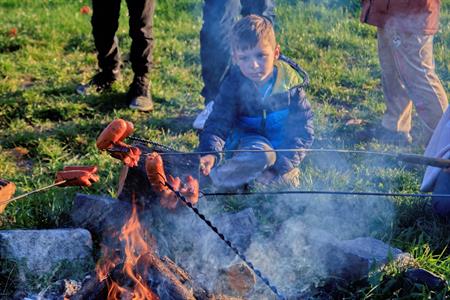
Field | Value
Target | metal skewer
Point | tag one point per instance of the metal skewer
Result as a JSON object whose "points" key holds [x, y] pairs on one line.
{"points": [[32, 192], [410, 158]]}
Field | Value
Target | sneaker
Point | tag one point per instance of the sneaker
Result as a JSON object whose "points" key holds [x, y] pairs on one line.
{"points": [[138, 95], [200, 120], [394, 137], [101, 81]]}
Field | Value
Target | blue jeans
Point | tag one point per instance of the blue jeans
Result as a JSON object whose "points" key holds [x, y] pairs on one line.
{"points": [[243, 167], [105, 21], [441, 205], [218, 19]]}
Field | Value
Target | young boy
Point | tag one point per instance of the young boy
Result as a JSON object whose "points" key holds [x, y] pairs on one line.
{"points": [[260, 106]]}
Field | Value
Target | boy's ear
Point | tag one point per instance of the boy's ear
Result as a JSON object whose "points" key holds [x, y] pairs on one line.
{"points": [[277, 51]]}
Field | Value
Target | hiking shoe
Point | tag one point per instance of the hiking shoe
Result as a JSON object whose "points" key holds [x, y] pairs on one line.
{"points": [[101, 81], [138, 95], [200, 120], [394, 137]]}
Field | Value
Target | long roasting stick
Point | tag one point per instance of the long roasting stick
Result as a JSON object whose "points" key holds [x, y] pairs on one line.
{"points": [[32, 192], [410, 158]]}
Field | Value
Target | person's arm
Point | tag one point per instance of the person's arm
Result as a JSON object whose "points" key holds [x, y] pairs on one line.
{"points": [[299, 132], [220, 122]]}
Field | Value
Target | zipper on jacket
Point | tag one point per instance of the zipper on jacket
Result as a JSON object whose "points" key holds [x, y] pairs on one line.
{"points": [[263, 120]]}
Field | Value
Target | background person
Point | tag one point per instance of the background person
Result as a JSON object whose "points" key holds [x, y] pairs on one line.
{"points": [[405, 50], [437, 180], [105, 21]]}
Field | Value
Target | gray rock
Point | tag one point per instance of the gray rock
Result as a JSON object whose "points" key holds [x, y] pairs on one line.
{"points": [[99, 214], [39, 252], [353, 259]]}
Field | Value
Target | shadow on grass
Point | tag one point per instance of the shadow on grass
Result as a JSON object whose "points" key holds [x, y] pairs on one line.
{"points": [[178, 125], [108, 101]]}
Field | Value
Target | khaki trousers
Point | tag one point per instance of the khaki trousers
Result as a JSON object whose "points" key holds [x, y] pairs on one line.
{"points": [[408, 76]]}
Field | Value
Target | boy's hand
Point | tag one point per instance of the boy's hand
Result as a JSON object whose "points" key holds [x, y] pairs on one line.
{"points": [[206, 163]]}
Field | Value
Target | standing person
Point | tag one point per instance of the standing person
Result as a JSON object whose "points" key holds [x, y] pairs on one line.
{"points": [[405, 50], [261, 106], [437, 180], [215, 53], [105, 21]]}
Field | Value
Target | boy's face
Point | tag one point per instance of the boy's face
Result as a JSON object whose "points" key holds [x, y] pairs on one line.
{"points": [[257, 63]]}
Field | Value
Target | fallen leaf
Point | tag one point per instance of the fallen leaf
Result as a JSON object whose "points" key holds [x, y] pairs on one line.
{"points": [[85, 10], [12, 32], [354, 122]]}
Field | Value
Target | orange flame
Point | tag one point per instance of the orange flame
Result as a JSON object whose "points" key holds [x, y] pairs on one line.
{"points": [[132, 236]]}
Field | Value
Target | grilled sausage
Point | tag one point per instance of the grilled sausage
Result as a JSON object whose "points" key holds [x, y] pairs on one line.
{"points": [[77, 176], [155, 172], [7, 190], [116, 131], [168, 199], [190, 190]]}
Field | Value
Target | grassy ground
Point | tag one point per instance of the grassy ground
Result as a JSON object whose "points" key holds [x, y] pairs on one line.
{"points": [[46, 49]]}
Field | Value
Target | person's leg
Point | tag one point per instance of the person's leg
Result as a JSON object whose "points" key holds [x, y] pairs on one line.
{"points": [[141, 33], [413, 56], [397, 116], [441, 205], [244, 167], [218, 19], [105, 21], [264, 8]]}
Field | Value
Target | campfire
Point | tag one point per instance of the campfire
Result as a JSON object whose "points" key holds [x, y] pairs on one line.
{"points": [[133, 268]]}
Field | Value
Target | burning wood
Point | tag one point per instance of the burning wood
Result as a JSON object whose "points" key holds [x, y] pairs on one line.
{"points": [[132, 236], [139, 273]]}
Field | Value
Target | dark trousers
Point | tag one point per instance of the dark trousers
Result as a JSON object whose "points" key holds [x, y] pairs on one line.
{"points": [[105, 21], [218, 19], [441, 205]]}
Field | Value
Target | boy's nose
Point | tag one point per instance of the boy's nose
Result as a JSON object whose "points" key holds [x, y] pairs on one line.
{"points": [[255, 64]]}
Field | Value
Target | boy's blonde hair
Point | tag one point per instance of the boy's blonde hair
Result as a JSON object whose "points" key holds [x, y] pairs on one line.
{"points": [[251, 30]]}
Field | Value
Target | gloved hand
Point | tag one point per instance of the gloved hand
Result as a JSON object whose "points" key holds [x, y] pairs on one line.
{"points": [[77, 176]]}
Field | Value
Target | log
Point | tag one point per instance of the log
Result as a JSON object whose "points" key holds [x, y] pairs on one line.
{"points": [[92, 289], [162, 279], [103, 216]]}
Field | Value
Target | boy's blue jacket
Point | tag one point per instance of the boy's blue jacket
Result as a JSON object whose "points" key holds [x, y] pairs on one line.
{"points": [[284, 117]]}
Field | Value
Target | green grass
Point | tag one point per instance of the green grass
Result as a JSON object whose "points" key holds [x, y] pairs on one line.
{"points": [[53, 51]]}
